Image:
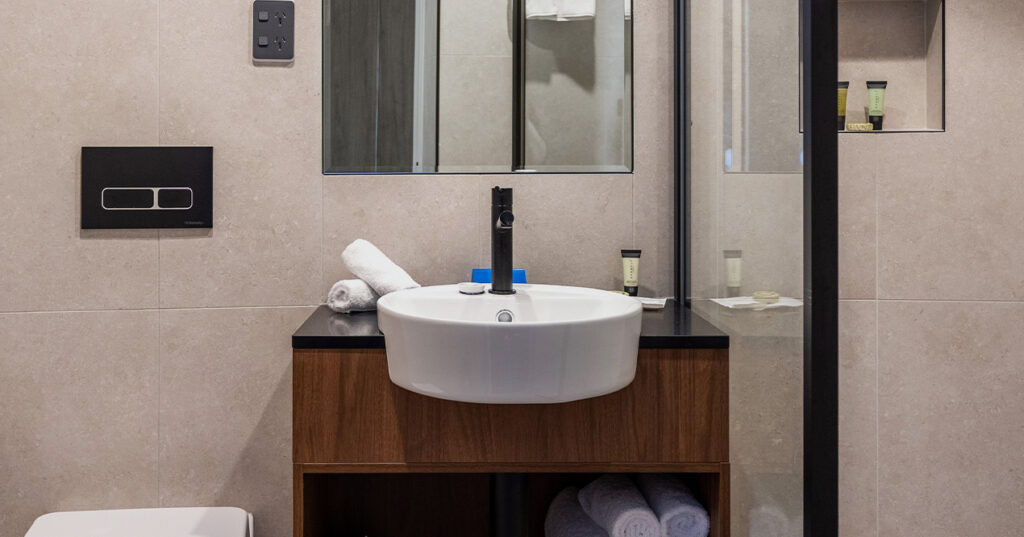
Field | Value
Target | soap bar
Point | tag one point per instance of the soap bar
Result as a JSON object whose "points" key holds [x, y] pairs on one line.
{"points": [[860, 127]]}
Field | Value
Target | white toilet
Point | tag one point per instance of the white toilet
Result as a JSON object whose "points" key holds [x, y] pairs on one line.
{"points": [[170, 522]]}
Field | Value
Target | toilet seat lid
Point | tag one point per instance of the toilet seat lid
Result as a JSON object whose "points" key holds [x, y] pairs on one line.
{"points": [[164, 522]]}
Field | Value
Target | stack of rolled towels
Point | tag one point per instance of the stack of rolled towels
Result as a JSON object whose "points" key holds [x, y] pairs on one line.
{"points": [[376, 275], [655, 505]]}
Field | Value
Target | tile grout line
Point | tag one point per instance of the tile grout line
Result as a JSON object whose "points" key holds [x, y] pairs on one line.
{"points": [[142, 310], [159, 281], [878, 276]]}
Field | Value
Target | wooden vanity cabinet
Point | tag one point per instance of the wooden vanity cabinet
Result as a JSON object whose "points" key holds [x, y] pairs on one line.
{"points": [[372, 459]]}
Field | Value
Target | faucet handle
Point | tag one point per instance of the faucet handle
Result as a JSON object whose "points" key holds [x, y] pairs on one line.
{"points": [[505, 219]]}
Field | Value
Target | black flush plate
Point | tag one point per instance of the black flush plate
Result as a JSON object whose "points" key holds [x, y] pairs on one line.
{"points": [[147, 187], [273, 31]]}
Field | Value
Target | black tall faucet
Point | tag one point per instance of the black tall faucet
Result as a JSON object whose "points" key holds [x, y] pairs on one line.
{"points": [[501, 241]]}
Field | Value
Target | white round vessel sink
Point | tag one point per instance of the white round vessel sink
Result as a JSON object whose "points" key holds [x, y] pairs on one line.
{"points": [[544, 344]]}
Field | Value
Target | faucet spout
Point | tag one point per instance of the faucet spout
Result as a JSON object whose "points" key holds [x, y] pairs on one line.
{"points": [[501, 241]]}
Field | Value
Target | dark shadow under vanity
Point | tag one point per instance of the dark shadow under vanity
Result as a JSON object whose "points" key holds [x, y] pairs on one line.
{"points": [[372, 459]]}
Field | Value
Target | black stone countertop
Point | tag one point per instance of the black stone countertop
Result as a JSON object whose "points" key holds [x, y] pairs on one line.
{"points": [[675, 327]]}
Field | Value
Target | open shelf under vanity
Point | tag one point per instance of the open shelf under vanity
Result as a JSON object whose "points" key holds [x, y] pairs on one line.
{"points": [[372, 459], [463, 504]]}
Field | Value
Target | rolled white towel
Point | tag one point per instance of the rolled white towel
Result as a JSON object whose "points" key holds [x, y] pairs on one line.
{"points": [[376, 269], [617, 506], [352, 295], [566, 518], [680, 514]]}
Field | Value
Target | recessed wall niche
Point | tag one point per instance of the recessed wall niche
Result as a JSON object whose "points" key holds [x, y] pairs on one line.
{"points": [[901, 42]]}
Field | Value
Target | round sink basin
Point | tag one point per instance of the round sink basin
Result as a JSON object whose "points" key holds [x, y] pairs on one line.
{"points": [[544, 344]]}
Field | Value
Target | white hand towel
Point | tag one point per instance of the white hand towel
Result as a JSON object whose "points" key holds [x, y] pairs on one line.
{"points": [[566, 518], [373, 267], [352, 295], [541, 10], [617, 506], [574, 10], [629, 9], [680, 514]]}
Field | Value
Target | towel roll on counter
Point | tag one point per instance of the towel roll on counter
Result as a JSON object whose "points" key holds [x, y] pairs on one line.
{"points": [[614, 502], [352, 295], [373, 267]]}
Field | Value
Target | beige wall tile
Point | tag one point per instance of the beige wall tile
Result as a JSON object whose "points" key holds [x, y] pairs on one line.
{"points": [[264, 124], [79, 416], [858, 415], [766, 438], [52, 104], [225, 411], [762, 215], [858, 209], [475, 113], [432, 226], [569, 229], [949, 413], [653, 138], [475, 28], [947, 215]]}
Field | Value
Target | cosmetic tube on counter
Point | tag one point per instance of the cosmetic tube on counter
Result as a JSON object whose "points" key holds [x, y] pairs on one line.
{"points": [[631, 272], [876, 103], [844, 90], [733, 272]]}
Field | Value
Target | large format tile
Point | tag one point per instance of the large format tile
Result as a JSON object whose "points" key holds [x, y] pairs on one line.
{"points": [[432, 226], [857, 214], [264, 125], [474, 102], [569, 229], [762, 216], [225, 411], [654, 145], [948, 211], [53, 103], [949, 418], [79, 415], [858, 413], [474, 28]]}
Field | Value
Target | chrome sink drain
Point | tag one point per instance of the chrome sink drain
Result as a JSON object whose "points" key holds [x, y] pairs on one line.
{"points": [[504, 316]]}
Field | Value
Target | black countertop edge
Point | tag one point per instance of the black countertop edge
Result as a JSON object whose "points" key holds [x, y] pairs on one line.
{"points": [[675, 327]]}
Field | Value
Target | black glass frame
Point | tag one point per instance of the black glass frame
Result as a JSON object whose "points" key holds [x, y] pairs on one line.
{"points": [[819, 48]]}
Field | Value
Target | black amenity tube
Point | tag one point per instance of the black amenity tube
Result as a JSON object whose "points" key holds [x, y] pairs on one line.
{"points": [[821, 261]]}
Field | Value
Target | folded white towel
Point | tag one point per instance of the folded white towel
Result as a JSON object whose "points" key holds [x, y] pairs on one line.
{"points": [[373, 267], [680, 514], [352, 295], [566, 518], [573, 10], [541, 10], [617, 506]]}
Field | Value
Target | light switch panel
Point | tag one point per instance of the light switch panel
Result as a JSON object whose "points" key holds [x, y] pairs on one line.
{"points": [[273, 31]]}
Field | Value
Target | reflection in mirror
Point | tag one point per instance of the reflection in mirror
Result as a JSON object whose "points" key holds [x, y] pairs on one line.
{"points": [[761, 52], [578, 86], [472, 86]]}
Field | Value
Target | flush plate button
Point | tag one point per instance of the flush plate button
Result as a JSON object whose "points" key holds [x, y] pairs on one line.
{"points": [[147, 187]]}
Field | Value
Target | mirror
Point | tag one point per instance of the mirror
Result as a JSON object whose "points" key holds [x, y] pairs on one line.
{"points": [[761, 53], [477, 86]]}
